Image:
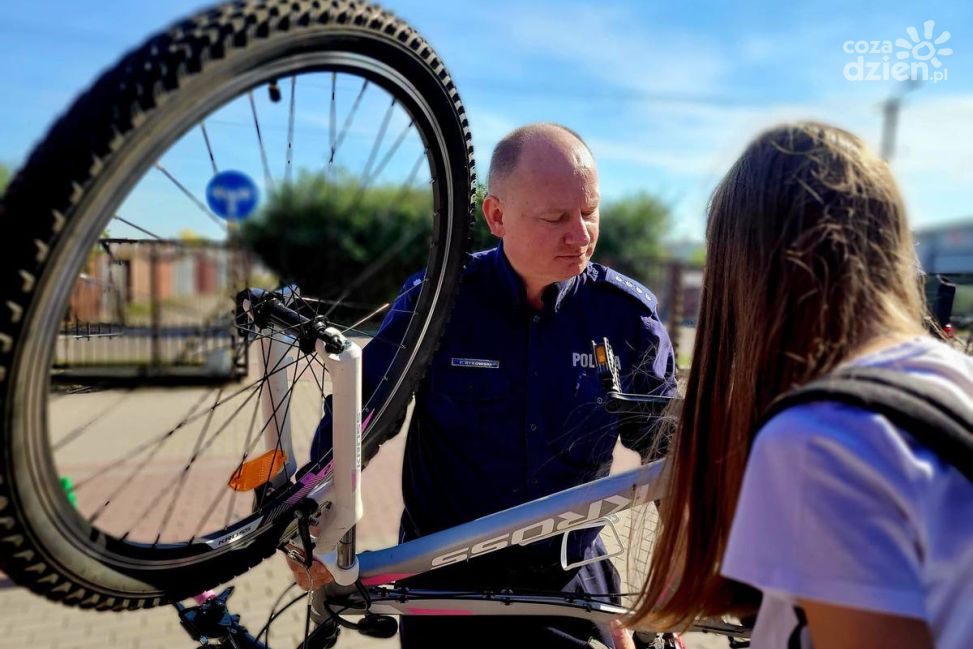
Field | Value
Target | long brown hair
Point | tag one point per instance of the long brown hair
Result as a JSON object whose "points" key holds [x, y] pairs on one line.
{"points": [[809, 258]]}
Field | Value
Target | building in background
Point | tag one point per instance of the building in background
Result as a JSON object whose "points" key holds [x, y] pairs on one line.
{"points": [[946, 249], [946, 254]]}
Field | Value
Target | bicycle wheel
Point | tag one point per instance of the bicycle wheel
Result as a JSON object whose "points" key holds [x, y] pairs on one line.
{"points": [[129, 393]]}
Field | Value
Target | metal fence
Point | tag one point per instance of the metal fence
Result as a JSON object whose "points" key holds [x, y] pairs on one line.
{"points": [[154, 308], [677, 285]]}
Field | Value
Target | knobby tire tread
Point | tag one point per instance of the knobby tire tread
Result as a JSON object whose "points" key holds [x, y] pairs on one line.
{"points": [[73, 154]]}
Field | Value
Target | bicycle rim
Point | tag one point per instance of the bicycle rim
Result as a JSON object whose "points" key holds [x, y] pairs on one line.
{"points": [[110, 419]]}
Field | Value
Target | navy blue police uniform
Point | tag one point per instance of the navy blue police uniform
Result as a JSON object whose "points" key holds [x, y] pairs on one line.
{"points": [[511, 410]]}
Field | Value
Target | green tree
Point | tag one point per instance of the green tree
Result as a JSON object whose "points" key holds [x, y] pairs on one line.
{"points": [[481, 237], [336, 240], [631, 235], [4, 177]]}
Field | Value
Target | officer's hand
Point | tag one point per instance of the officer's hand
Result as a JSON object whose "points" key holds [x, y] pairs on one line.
{"points": [[319, 574]]}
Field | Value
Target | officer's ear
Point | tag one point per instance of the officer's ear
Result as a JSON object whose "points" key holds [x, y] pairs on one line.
{"points": [[493, 213]]}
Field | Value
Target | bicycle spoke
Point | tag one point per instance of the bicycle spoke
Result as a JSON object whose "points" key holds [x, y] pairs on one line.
{"points": [[250, 444], [213, 316], [277, 368], [373, 337], [387, 255], [78, 431], [185, 472], [268, 178], [290, 132], [366, 173], [348, 120], [138, 227], [188, 194], [233, 492], [136, 471], [157, 441], [209, 148], [278, 425], [203, 449], [276, 329], [320, 383], [391, 152], [247, 445], [366, 318], [144, 446], [332, 120], [267, 423]]}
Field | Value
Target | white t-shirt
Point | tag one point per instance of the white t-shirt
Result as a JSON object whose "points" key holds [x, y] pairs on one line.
{"points": [[837, 505]]}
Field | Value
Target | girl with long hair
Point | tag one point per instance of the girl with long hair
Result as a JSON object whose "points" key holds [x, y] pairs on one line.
{"points": [[835, 516]]}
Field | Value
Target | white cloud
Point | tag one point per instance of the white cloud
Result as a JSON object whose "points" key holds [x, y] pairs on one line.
{"points": [[795, 72], [694, 146], [936, 135]]}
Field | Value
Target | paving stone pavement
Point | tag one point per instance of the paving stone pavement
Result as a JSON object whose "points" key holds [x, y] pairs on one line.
{"points": [[28, 621]]}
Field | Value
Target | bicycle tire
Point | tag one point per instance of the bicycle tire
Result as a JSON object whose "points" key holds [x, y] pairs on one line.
{"points": [[42, 545]]}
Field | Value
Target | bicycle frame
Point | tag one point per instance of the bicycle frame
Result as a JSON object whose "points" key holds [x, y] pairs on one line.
{"points": [[364, 583], [558, 514]]}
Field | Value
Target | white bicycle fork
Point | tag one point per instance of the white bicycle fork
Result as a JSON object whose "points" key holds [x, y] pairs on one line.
{"points": [[336, 529]]}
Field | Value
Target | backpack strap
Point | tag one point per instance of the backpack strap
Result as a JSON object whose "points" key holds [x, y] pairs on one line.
{"points": [[930, 414]]}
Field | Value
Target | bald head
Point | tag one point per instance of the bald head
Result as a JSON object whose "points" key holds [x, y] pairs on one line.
{"points": [[535, 142], [543, 202]]}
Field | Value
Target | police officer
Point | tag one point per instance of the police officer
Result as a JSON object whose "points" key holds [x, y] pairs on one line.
{"points": [[509, 410]]}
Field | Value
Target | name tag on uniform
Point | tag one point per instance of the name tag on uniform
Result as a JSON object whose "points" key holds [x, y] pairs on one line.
{"points": [[476, 362]]}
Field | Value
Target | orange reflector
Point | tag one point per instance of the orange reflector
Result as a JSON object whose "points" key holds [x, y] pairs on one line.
{"points": [[600, 354], [257, 471]]}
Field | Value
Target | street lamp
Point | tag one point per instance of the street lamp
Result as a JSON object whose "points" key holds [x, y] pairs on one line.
{"points": [[890, 114]]}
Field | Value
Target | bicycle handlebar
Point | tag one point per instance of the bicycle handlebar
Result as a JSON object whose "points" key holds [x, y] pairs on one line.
{"points": [[637, 404], [617, 401]]}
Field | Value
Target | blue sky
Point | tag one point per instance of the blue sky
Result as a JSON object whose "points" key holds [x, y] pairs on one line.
{"points": [[667, 94]]}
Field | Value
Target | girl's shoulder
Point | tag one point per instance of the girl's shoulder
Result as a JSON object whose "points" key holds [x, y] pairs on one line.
{"points": [[838, 429], [839, 506]]}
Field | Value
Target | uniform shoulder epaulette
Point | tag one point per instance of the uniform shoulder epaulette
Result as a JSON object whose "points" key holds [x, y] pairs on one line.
{"points": [[628, 286]]}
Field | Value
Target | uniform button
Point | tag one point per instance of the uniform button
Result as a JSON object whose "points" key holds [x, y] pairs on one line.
{"points": [[533, 426], [536, 319]]}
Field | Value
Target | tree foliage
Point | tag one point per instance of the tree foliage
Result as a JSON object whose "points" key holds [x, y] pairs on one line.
{"points": [[4, 178], [336, 240], [631, 234]]}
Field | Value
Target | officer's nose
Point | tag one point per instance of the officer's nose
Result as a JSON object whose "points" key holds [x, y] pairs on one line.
{"points": [[577, 234]]}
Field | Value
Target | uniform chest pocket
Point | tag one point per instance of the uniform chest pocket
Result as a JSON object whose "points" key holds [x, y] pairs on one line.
{"points": [[587, 434], [469, 405], [471, 384]]}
